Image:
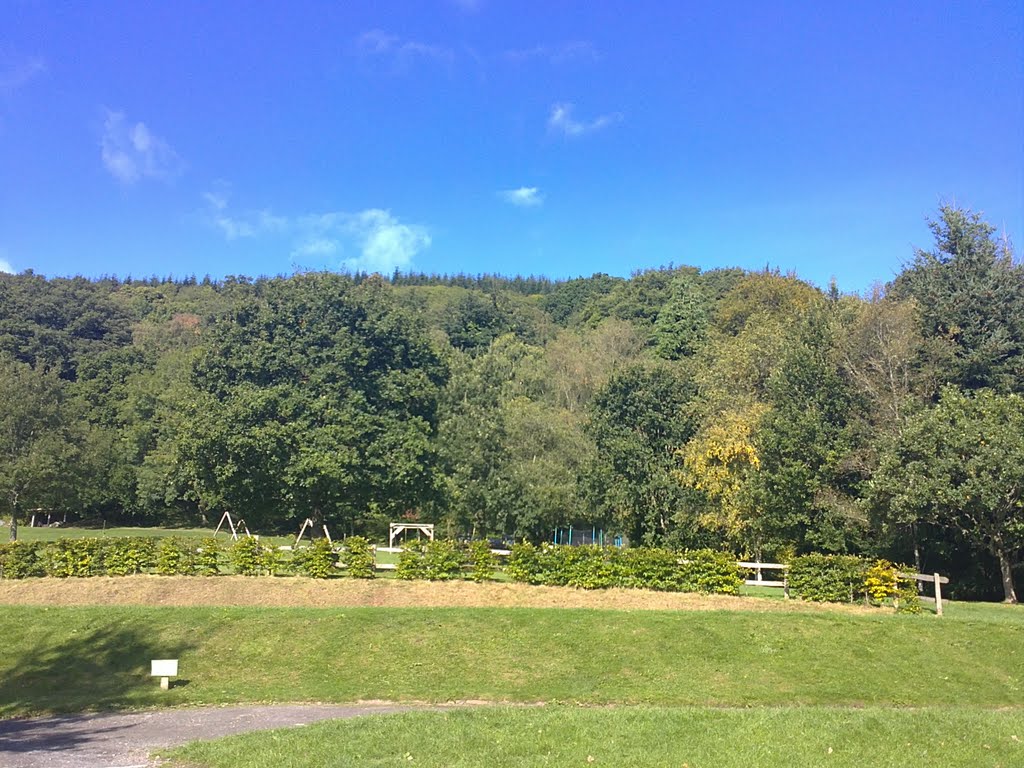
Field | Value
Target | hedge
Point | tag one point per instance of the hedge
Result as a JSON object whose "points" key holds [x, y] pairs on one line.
{"points": [[846, 578], [821, 578], [593, 567]]}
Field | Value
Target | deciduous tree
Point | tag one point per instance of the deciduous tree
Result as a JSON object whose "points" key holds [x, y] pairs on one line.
{"points": [[960, 465]]}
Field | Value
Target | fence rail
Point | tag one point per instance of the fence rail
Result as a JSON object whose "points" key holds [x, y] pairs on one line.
{"points": [[759, 580], [930, 578]]}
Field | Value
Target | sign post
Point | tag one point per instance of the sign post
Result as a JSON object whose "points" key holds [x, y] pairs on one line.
{"points": [[165, 669]]}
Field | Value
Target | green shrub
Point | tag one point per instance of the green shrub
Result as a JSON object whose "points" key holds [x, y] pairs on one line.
{"points": [[524, 563], [317, 560], [554, 563], [827, 578], [594, 567], [74, 558], [175, 557], [906, 600], [249, 557], [277, 562], [439, 560], [128, 556], [412, 562], [586, 567], [21, 559], [358, 558], [710, 572], [443, 560], [207, 559], [648, 568], [482, 561]]}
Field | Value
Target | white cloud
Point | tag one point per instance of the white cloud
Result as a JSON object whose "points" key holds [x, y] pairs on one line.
{"points": [[217, 199], [131, 152], [384, 244], [555, 54], [235, 227], [5, 266], [399, 51], [319, 246], [524, 197], [373, 240], [561, 120], [258, 223], [14, 75]]}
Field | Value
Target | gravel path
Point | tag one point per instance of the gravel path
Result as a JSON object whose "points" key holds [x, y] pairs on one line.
{"points": [[125, 740]]}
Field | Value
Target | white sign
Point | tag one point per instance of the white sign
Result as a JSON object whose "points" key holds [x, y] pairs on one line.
{"points": [[164, 668]]}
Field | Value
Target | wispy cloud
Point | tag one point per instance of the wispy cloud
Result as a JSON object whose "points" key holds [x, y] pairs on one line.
{"points": [[561, 121], [400, 52], [373, 240], [253, 225], [383, 243], [524, 197], [131, 152], [5, 266], [16, 74], [575, 50]]}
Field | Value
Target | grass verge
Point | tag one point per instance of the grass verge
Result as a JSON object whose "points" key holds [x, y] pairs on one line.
{"points": [[78, 658], [632, 738]]}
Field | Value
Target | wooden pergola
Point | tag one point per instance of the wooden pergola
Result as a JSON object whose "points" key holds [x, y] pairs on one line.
{"points": [[396, 528]]}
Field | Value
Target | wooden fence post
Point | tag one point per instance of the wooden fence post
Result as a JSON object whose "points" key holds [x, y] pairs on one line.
{"points": [[938, 595]]}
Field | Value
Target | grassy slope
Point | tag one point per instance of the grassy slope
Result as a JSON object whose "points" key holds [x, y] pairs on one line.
{"points": [[635, 738], [72, 659]]}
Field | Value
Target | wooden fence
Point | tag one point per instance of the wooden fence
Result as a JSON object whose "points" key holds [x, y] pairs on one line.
{"points": [[935, 579], [759, 580]]}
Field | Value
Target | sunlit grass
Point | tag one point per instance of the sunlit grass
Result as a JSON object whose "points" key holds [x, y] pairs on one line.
{"points": [[72, 659], [634, 738]]}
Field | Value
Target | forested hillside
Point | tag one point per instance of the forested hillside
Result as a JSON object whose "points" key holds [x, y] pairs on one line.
{"points": [[744, 411]]}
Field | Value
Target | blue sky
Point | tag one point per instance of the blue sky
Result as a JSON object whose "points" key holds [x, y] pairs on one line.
{"points": [[549, 138]]}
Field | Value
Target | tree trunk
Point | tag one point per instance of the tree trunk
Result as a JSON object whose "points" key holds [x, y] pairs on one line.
{"points": [[14, 518], [1007, 570], [917, 557]]}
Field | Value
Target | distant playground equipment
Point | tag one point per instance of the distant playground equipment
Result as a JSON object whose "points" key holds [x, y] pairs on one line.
{"points": [[394, 529], [575, 536], [33, 522], [309, 525], [233, 526]]}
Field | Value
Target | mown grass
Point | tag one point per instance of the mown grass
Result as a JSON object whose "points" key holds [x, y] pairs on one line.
{"points": [[74, 659], [639, 737], [55, 534]]}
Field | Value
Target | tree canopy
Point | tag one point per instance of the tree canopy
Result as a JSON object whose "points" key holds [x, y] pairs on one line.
{"points": [[745, 411]]}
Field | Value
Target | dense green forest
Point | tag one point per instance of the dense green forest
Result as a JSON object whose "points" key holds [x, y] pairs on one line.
{"points": [[746, 411]]}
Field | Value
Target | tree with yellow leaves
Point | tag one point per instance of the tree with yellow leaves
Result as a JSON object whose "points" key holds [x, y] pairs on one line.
{"points": [[719, 462]]}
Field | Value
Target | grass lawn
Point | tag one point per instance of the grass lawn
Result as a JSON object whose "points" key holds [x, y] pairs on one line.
{"points": [[81, 658], [53, 534], [633, 737]]}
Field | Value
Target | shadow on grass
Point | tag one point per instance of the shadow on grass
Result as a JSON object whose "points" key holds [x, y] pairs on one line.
{"points": [[98, 669]]}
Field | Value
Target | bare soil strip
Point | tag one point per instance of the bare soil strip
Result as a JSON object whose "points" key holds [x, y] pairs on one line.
{"points": [[299, 592]]}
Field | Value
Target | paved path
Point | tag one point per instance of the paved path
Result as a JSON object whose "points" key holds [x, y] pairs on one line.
{"points": [[125, 740]]}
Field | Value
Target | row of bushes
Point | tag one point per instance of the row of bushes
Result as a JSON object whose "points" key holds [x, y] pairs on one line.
{"points": [[823, 578], [172, 556], [847, 578], [445, 560], [109, 557], [595, 567]]}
